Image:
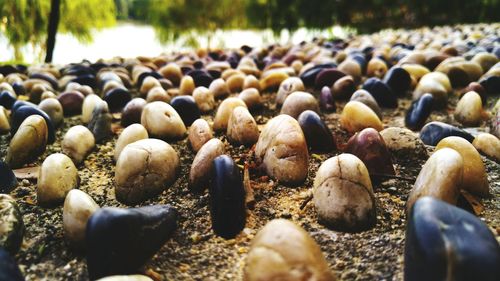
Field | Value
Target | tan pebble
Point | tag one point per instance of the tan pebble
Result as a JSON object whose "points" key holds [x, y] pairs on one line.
{"points": [[77, 143], [251, 97], [4, 121], [251, 82], [224, 111], [147, 84], [219, 88], [157, 93], [273, 80], [488, 145], [78, 207], [28, 143], [54, 110], [187, 85], [235, 83], [241, 127], [204, 99], [376, 68], [131, 134], [351, 67], [357, 116], [199, 133], [288, 86], [201, 167], [403, 142], [161, 120], [298, 102], [89, 103], [57, 176], [172, 72], [469, 110]]}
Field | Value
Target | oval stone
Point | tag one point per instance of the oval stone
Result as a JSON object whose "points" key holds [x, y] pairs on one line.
{"points": [[298, 102], [9, 270], [187, 108], [488, 145], [117, 98], [71, 102], [162, 120], [288, 86], [204, 99], [381, 92], [435, 131], [132, 111], [224, 112], [326, 102], [241, 127], [199, 133], [318, 136], [54, 110], [356, 116], [77, 143], [469, 110], [28, 143], [89, 103], [398, 79], [327, 77], [21, 113], [132, 133], [201, 167], [418, 112], [100, 123], [12, 230], [364, 97], [78, 207]]}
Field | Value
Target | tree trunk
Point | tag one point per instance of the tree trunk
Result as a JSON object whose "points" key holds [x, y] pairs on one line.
{"points": [[52, 31]]}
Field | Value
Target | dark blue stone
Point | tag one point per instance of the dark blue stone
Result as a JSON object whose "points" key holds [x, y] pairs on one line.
{"points": [[318, 136], [309, 76], [326, 101], [9, 270], [79, 70], [360, 59], [201, 78], [47, 78], [444, 242], [19, 88], [24, 111], [187, 109], [18, 103], [117, 98], [214, 73], [7, 100], [186, 68], [8, 180], [143, 76], [381, 92], [120, 241], [491, 85], [398, 80], [86, 79], [8, 69], [418, 112], [435, 131], [227, 198]]}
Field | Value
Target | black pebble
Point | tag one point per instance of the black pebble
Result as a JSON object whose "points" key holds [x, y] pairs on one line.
{"points": [[187, 109], [117, 98], [309, 76], [435, 131], [318, 136], [398, 80], [381, 92], [7, 100], [8, 180], [100, 123], [418, 112], [9, 270]]}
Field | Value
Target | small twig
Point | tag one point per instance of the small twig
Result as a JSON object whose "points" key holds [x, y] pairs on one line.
{"points": [[392, 177], [307, 200]]}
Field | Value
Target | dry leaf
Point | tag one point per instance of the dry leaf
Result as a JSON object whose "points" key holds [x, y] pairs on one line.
{"points": [[26, 173]]}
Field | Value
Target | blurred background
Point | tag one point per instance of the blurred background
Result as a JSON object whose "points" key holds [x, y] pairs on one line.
{"points": [[94, 29]]}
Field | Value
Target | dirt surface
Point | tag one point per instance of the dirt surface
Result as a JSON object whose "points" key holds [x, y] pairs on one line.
{"points": [[195, 253]]}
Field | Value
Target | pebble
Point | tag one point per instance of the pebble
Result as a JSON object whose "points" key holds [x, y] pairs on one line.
{"points": [[89, 103], [219, 88], [187, 85], [162, 121], [100, 123], [251, 82], [327, 77], [77, 143], [351, 67], [9, 180], [54, 110], [282, 150], [343, 88], [134, 277], [71, 103], [398, 79], [129, 135], [9, 270], [28, 143], [298, 102], [201, 78], [21, 113], [488, 145], [241, 127], [485, 60], [78, 207], [309, 76], [148, 83], [381, 92], [204, 99], [7, 99], [224, 112], [12, 230], [187, 108], [172, 72], [273, 80], [436, 84], [436, 247], [435, 131], [227, 198], [418, 112], [460, 71], [117, 98], [318, 136], [201, 168], [121, 241], [369, 146], [57, 176], [288, 86], [469, 110], [4, 121], [343, 194], [441, 177], [158, 94], [235, 83], [283, 250], [357, 116], [199, 133], [132, 111], [376, 68], [474, 179], [326, 102], [404, 143], [366, 98], [251, 97]]}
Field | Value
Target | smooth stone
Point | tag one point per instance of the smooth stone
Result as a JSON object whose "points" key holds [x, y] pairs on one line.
{"points": [[273, 80], [9, 180], [241, 127], [162, 120], [318, 136], [132, 133], [204, 99], [381, 92], [327, 77], [121, 241], [478, 88], [404, 143], [343, 194], [376, 68], [224, 112], [4, 121], [351, 67], [251, 97], [343, 88], [288, 86], [398, 79], [47, 95], [227, 198], [28, 143], [474, 178], [459, 71], [89, 103], [418, 112], [117, 99], [86, 79], [251, 82], [469, 110], [298, 102], [309, 76], [158, 94], [172, 72], [134, 277], [21, 113], [78, 207], [438, 244], [132, 111], [435, 131], [369, 146], [485, 60], [9, 270], [71, 102], [187, 85], [77, 143], [495, 120], [12, 229], [488, 144], [283, 250], [366, 98], [54, 110], [235, 83], [7, 99], [491, 84], [19, 103], [100, 123], [200, 172], [148, 83], [441, 177], [57, 176], [201, 78], [219, 88], [155, 168], [357, 116], [199, 133], [282, 150], [187, 108], [326, 102]]}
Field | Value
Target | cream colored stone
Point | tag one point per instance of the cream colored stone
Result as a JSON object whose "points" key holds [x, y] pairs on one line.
{"points": [[89, 103], [4, 121], [78, 207], [488, 145], [161, 120], [469, 109], [201, 167], [54, 110], [77, 143], [28, 143], [131, 134], [187, 85], [241, 127], [288, 86], [199, 133], [219, 88], [204, 99], [251, 97], [57, 176], [298, 102], [224, 111]]}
